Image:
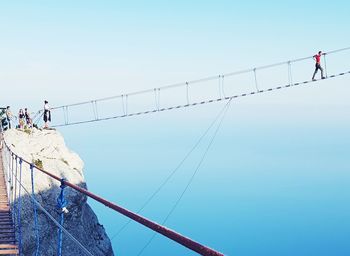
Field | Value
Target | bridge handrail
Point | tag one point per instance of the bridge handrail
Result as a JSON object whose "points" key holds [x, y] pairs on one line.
{"points": [[177, 237]]}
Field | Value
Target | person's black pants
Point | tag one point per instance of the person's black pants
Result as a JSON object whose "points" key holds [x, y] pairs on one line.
{"points": [[318, 67]]}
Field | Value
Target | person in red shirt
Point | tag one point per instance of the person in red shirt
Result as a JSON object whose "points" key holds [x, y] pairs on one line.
{"points": [[317, 58]]}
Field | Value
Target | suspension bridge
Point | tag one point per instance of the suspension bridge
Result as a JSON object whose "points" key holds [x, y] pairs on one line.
{"points": [[223, 89]]}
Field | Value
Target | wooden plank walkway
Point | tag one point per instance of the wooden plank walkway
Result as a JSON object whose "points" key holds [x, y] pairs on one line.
{"points": [[8, 244]]}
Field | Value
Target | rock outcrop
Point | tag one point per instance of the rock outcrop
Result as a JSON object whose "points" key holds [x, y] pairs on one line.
{"points": [[47, 148]]}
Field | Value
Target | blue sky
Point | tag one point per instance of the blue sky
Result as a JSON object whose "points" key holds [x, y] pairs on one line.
{"points": [[95, 49], [278, 168]]}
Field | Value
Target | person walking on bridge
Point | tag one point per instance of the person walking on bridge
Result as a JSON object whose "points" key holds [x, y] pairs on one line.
{"points": [[317, 58]]}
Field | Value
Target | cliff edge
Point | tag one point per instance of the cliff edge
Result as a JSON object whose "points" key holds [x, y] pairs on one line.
{"points": [[47, 149]]}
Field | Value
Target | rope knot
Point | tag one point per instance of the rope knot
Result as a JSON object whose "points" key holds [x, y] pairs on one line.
{"points": [[63, 184], [61, 201]]}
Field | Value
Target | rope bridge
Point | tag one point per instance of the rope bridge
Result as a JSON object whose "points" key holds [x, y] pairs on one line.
{"points": [[14, 164], [222, 88]]}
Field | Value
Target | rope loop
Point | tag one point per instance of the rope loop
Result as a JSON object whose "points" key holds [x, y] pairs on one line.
{"points": [[61, 201]]}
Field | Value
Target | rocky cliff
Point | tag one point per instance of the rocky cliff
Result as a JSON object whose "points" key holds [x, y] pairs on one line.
{"points": [[47, 149]]}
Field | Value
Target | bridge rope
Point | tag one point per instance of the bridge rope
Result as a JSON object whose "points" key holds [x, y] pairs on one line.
{"points": [[185, 241], [174, 171], [12, 191], [177, 202], [19, 208], [36, 226], [11, 184], [184, 86], [15, 194]]}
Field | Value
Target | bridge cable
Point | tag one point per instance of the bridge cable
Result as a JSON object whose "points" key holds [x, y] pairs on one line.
{"points": [[14, 207], [227, 106], [36, 226], [15, 195], [19, 207], [325, 65], [168, 178], [11, 187]]}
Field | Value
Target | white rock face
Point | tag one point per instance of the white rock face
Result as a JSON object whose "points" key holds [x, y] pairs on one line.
{"points": [[48, 147]]}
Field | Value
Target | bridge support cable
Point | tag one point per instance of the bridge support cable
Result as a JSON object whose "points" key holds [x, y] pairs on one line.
{"points": [[187, 94], [220, 90], [256, 81], [290, 74], [189, 101], [325, 64], [65, 114], [36, 225], [11, 186], [19, 210], [223, 85], [95, 109], [175, 170], [8, 176], [226, 108], [222, 93], [185, 241], [157, 98], [37, 116], [125, 104], [14, 194], [40, 113]]}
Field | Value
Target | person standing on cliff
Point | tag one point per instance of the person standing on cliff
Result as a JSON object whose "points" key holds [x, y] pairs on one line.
{"points": [[28, 119], [317, 58], [21, 119], [8, 116], [47, 114], [2, 119]]}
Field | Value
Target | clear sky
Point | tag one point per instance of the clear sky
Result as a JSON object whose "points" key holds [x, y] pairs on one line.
{"points": [[277, 177], [67, 51]]}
